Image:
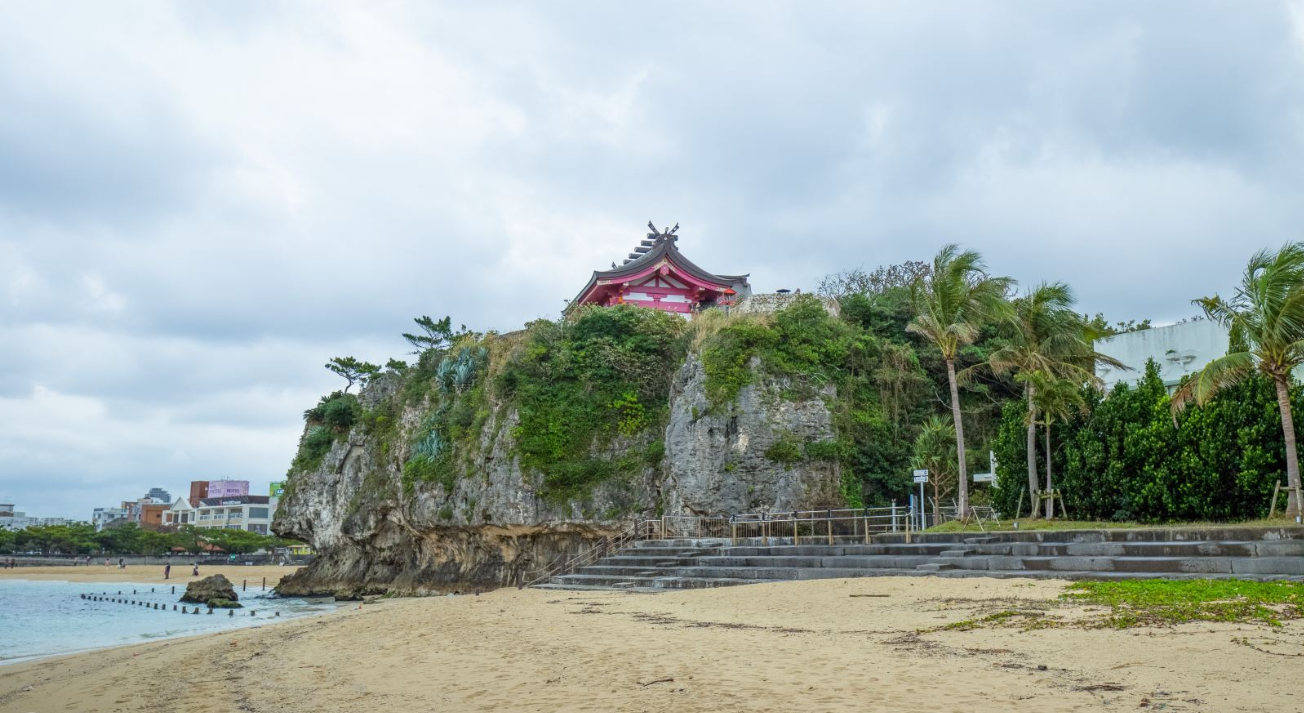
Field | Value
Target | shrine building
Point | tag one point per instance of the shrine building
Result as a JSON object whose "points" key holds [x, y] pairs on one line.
{"points": [[657, 275]]}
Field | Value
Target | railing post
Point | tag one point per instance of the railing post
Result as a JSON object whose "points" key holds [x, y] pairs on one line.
{"points": [[866, 514], [829, 514], [894, 516], [733, 527], [795, 536]]}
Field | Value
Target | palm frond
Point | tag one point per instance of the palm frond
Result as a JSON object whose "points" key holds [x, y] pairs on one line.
{"points": [[1218, 374]]}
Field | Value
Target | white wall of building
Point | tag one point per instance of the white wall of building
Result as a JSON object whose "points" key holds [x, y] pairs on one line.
{"points": [[1179, 350]]}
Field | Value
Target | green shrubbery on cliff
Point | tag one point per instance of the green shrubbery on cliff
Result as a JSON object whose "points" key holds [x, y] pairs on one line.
{"points": [[581, 383], [329, 420]]}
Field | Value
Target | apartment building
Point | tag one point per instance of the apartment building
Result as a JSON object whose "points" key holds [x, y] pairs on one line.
{"points": [[241, 512]]}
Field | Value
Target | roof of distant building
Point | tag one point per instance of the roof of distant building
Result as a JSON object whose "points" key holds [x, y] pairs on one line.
{"points": [[658, 246]]}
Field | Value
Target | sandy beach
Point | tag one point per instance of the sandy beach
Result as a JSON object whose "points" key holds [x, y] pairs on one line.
{"points": [[149, 574], [862, 644]]}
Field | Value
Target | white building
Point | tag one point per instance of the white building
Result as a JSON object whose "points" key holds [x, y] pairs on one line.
{"points": [[1179, 350], [102, 517], [181, 513], [11, 519], [243, 512]]}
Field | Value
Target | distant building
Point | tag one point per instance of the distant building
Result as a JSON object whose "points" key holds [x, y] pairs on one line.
{"points": [[198, 491], [12, 519], [1179, 350], [151, 515], [182, 512], [240, 512], [103, 518], [227, 488], [159, 495], [658, 276]]}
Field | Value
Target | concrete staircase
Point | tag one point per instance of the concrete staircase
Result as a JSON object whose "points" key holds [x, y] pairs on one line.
{"points": [[1243, 553]]}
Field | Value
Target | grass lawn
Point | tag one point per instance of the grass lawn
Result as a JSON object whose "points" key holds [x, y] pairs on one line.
{"points": [[1129, 604], [1161, 601], [1039, 524]]}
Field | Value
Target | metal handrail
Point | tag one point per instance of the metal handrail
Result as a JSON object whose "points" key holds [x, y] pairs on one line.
{"points": [[567, 564], [859, 522]]}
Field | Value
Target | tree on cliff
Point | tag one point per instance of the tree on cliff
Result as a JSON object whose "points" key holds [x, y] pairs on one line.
{"points": [[352, 370], [951, 304], [1265, 320], [434, 335]]}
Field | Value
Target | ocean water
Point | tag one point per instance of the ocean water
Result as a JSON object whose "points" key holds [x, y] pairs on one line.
{"points": [[49, 618]]}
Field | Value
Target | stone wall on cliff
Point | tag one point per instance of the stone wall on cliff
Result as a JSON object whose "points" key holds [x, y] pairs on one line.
{"points": [[493, 526]]}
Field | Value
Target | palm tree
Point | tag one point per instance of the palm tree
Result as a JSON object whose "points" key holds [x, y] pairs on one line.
{"points": [[1265, 320], [951, 304], [933, 451], [1056, 399], [1045, 334]]}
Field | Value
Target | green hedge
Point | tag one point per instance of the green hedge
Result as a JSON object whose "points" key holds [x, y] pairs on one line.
{"points": [[1130, 460]]}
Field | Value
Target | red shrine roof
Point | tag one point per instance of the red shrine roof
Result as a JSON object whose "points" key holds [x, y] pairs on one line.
{"points": [[657, 275]]}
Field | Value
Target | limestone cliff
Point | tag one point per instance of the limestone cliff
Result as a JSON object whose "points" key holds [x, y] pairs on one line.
{"points": [[486, 520]]}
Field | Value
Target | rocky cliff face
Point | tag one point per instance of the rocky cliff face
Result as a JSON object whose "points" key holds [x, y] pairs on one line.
{"points": [[491, 526]]}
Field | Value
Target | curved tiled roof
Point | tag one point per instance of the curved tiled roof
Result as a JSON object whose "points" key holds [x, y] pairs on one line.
{"points": [[664, 245]]}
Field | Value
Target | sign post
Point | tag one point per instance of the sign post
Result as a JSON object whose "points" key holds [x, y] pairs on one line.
{"points": [[989, 476], [921, 477]]}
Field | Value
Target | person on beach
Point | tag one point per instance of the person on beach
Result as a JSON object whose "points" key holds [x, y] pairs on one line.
{"points": [[195, 573], [167, 571], [122, 563]]}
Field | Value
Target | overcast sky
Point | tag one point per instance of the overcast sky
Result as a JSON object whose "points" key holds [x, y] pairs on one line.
{"points": [[201, 203]]}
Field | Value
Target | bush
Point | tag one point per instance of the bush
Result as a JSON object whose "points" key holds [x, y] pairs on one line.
{"points": [[800, 342], [338, 411], [315, 445], [785, 450], [1130, 460], [580, 383]]}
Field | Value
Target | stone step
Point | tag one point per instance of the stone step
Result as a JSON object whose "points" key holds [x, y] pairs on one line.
{"points": [[660, 582], [1177, 534], [664, 551], [669, 564], [707, 542], [689, 580]]}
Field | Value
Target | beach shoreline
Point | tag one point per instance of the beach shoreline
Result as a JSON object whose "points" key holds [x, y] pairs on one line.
{"points": [[869, 643], [42, 596], [149, 574]]}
